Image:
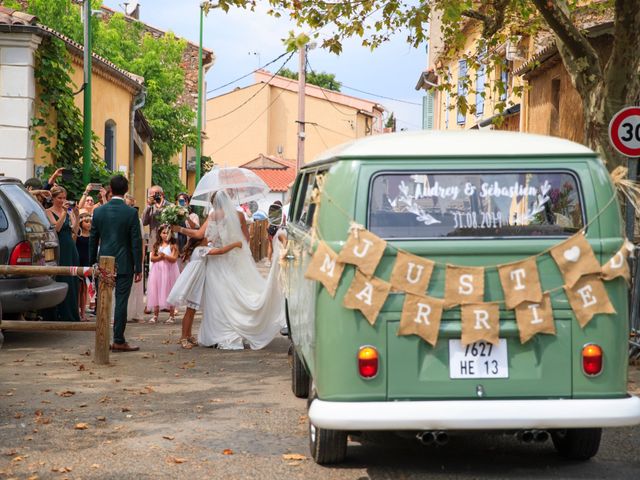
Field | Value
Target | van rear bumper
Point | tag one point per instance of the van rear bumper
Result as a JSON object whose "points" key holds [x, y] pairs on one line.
{"points": [[475, 415]]}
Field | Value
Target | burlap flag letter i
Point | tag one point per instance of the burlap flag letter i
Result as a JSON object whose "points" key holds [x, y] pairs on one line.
{"points": [[463, 285], [364, 250], [588, 297], [325, 268], [534, 318], [367, 295], [618, 266], [480, 321], [421, 316], [575, 258], [411, 273], [520, 282]]}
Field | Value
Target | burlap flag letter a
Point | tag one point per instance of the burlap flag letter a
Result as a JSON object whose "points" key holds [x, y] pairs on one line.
{"points": [[463, 285], [575, 258], [325, 268], [588, 297], [533, 318], [367, 295], [364, 250], [520, 283], [480, 321], [411, 273], [421, 316], [618, 266]]}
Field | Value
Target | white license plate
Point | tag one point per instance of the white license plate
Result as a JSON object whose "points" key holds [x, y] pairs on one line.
{"points": [[478, 360]]}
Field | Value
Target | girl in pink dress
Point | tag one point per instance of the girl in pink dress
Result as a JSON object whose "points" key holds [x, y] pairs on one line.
{"points": [[164, 273]]}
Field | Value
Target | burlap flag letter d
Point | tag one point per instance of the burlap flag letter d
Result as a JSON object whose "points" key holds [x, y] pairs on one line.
{"points": [[575, 258], [367, 295], [534, 318], [325, 268], [421, 316], [411, 273], [618, 266], [520, 282], [480, 321], [588, 297], [364, 250], [463, 285]]}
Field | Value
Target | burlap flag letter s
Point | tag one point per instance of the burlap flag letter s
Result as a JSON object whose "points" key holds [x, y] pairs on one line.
{"points": [[480, 321], [534, 318], [520, 282], [325, 268], [411, 273], [421, 316], [588, 297], [463, 285], [618, 266], [575, 258], [367, 295], [364, 250]]}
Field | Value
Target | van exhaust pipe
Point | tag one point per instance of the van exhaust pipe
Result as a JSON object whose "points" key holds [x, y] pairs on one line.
{"points": [[540, 436], [525, 436], [442, 438], [430, 437]]}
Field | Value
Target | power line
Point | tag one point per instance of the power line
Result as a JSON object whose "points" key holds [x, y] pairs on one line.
{"points": [[247, 75], [381, 96]]}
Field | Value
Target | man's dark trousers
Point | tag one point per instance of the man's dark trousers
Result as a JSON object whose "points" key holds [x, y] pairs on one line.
{"points": [[123, 289]]}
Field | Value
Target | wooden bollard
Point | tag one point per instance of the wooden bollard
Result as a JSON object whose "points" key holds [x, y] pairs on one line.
{"points": [[103, 317]]}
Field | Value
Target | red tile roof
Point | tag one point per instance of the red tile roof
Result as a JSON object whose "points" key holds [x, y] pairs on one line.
{"points": [[278, 179]]}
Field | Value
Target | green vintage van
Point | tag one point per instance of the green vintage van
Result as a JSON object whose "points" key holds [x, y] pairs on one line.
{"points": [[527, 193]]}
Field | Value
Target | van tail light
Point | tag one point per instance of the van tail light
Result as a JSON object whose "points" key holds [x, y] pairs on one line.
{"points": [[368, 362], [591, 359], [21, 254]]}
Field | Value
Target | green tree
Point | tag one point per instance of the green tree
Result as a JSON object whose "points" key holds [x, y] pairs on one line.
{"points": [[391, 122], [321, 79], [605, 81]]}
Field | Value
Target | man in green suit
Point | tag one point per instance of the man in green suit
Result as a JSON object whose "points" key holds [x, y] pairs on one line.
{"points": [[116, 230]]}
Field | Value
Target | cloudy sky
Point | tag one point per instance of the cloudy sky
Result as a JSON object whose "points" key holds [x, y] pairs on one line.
{"points": [[243, 40]]}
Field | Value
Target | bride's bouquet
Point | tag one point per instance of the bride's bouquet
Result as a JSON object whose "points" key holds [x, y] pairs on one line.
{"points": [[173, 214]]}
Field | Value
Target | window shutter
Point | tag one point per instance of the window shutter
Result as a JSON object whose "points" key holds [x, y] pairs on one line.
{"points": [[480, 81], [427, 111], [462, 90]]}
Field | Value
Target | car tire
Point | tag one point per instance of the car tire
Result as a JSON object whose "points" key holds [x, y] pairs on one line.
{"points": [[327, 447], [299, 375], [577, 444]]}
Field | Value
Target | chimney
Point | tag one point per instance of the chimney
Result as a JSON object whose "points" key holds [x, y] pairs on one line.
{"points": [[136, 13]]}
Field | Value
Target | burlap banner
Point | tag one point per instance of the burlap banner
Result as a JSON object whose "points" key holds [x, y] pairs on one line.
{"points": [[411, 273], [534, 318], [325, 268], [480, 321], [520, 282], [618, 266], [421, 316], [364, 250], [588, 297], [463, 285], [367, 295], [575, 259]]}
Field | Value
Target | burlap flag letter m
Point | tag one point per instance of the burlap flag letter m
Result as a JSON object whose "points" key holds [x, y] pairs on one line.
{"points": [[325, 268], [421, 316], [534, 318], [463, 285], [575, 258], [364, 250], [588, 297], [367, 295], [480, 321], [411, 273], [520, 282], [618, 266]]}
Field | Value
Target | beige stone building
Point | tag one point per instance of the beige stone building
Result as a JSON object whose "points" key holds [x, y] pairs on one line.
{"points": [[261, 119]]}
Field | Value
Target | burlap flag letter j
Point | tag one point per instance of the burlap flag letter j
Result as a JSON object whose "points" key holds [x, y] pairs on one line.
{"points": [[588, 297], [463, 285], [618, 266], [534, 318], [411, 273], [575, 258], [520, 283], [364, 250], [421, 316], [367, 295], [480, 321], [325, 268]]}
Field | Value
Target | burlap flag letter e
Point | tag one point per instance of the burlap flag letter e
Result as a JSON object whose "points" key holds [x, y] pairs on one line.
{"points": [[618, 266], [575, 258], [367, 295], [325, 268], [535, 318], [588, 297], [463, 285], [480, 321], [411, 273], [421, 316], [363, 249], [520, 282]]}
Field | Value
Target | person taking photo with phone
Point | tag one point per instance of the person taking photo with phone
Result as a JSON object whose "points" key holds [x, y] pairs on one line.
{"points": [[87, 203]]}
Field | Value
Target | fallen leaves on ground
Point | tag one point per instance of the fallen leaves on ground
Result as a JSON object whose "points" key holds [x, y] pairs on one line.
{"points": [[176, 460], [81, 426], [168, 437], [294, 456], [62, 469], [101, 419], [227, 451]]}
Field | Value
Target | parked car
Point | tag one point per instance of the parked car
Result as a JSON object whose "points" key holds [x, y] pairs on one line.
{"points": [[26, 238], [472, 199]]}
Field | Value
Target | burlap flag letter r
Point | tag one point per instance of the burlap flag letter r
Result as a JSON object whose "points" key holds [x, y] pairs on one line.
{"points": [[480, 321], [421, 316]]}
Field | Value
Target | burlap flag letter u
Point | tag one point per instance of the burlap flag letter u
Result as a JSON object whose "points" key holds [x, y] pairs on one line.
{"points": [[364, 250], [575, 258], [480, 321], [325, 268], [367, 295], [588, 297], [411, 273], [534, 318], [520, 282], [618, 266], [463, 285], [421, 316]]}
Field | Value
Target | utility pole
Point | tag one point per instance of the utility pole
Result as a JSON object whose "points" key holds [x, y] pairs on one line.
{"points": [[302, 81], [86, 140], [199, 120]]}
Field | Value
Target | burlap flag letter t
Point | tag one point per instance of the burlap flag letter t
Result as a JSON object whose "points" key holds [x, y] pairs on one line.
{"points": [[520, 282], [421, 316], [463, 285], [411, 273], [325, 268], [588, 297], [575, 258], [364, 250], [367, 295], [480, 321]]}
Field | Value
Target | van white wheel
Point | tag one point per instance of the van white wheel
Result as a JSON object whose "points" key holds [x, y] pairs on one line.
{"points": [[299, 376], [577, 444]]}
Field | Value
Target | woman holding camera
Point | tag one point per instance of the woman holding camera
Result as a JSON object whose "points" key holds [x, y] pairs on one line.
{"points": [[63, 215]]}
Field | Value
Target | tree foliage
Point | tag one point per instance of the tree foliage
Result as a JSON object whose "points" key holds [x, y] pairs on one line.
{"points": [[321, 79]]}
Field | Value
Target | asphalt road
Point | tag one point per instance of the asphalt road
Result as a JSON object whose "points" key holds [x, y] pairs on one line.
{"points": [[164, 412]]}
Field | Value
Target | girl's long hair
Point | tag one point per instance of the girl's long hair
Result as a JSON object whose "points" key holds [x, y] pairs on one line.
{"points": [[191, 245], [158, 242]]}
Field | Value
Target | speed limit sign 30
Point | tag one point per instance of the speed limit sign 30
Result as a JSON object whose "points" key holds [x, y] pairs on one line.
{"points": [[624, 131]]}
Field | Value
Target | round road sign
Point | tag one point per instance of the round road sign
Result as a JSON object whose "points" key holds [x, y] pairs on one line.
{"points": [[624, 131]]}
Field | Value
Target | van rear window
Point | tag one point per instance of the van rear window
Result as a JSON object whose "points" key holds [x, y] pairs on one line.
{"points": [[475, 204]]}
